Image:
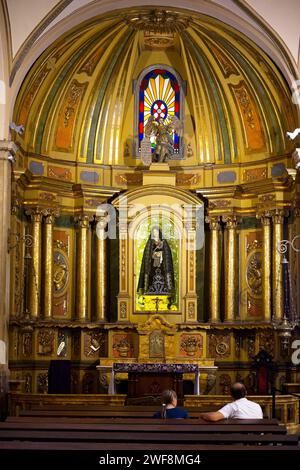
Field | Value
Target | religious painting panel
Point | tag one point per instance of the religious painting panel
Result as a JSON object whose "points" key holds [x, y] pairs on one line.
{"points": [[156, 344]]}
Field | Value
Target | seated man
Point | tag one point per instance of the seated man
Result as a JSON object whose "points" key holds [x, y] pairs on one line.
{"points": [[240, 408]]}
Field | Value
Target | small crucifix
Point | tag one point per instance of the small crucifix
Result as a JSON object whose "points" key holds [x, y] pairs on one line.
{"points": [[157, 301]]}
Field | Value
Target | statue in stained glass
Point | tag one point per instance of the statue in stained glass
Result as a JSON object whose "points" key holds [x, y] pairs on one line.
{"points": [[163, 133]]}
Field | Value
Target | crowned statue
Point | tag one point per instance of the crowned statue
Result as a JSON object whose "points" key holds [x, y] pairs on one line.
{"points": [[156, 274]]}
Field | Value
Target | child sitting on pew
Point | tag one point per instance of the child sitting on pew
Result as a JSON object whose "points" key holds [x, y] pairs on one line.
{"points": [[169, 408]]}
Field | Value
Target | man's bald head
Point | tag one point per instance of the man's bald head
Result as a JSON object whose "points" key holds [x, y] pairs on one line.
{"points": [[238, 390]]}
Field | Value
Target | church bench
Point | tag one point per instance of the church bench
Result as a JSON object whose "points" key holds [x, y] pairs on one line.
{"points": [[155, 426], [122, 413], [180, 437], [136, 420], [88, 413], [76, 407], [96, 414], [113, 446]]}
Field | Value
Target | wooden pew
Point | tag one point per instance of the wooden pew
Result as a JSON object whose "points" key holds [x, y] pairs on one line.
{"points": [[112, 413], [135, 420], [154, 426], [138, 437], [175, 428], [111, 446]]}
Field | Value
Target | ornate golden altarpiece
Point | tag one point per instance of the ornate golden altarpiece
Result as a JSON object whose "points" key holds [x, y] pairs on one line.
{"points": [[156, 332], [73, 294]]}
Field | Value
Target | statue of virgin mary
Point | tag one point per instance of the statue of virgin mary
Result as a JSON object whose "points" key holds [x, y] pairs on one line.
{"points": [[156, 274]]}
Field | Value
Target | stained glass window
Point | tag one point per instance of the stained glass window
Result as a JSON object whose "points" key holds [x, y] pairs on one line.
{"points": [[159, 96]]}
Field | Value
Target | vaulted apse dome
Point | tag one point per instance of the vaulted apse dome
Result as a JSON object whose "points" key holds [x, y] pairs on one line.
{"points": [[77, 102]]}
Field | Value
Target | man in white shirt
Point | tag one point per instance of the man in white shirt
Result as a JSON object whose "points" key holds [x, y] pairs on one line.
{"points": [[240, 408]]}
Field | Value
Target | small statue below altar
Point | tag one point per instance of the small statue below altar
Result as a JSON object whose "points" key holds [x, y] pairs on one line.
{"points": [[157, 274]]}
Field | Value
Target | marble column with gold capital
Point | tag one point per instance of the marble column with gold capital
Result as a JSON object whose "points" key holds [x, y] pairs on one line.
{"points": [[230, 268], [83, 263], [214, 269], [48, 261], [101, 223], [34, 270], [267, 262], [278, 219]]}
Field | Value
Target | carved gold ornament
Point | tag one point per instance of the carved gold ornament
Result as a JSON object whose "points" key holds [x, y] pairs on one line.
{"points": [[254, 274], [61, 271], [222, 348], [158, 21]]}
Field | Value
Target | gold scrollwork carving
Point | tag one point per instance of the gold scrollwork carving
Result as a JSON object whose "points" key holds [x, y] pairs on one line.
{"points": [[61, 272], [93, 343], [45, 342], [123, 309], [158, 21], [42, 383], [219, 345], [254, 273], [27, 344], [191, 310], [222, 348]]}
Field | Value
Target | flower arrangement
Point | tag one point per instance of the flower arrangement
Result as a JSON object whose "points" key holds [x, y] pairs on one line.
{"points": [[190, 344], [123, 346]]}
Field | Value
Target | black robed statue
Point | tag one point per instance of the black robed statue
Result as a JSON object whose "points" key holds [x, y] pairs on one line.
{"points": [[157, 274]]}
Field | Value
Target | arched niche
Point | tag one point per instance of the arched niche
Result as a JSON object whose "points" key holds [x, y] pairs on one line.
{"points": [[185, 212]]}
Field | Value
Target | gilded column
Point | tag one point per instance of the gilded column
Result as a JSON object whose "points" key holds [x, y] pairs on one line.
{"points": [[82, 310], [214, 271], [34, 269], [100, 268], [48, 263], [278, 219], [191, 294], [267, 285], [230, 268], [123, 296]]}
